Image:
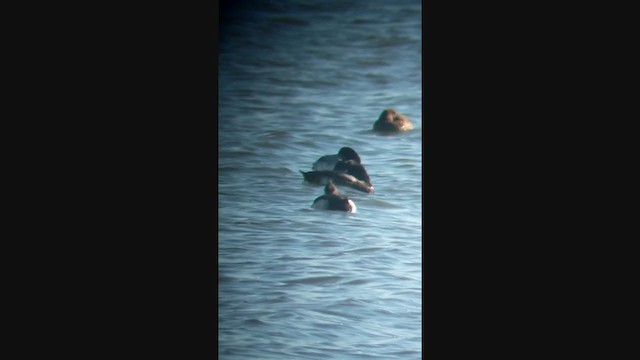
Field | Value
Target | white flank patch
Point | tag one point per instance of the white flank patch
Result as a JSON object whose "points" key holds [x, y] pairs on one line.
{"points": [[321, 204]]}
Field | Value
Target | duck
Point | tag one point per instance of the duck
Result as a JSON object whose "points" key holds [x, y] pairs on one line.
{"points": [[352, 168], [323, 177], [392, 121], [328, 162], [333, 200]]}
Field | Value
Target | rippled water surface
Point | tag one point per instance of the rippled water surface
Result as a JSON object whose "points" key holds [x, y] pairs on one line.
{"points": [[298, 80]]}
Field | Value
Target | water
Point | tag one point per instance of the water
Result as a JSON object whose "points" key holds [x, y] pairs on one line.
{"points": [[298, 80]]}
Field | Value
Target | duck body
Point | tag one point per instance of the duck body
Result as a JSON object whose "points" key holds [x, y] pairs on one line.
{"points": [[333, 200], [354, 169], [324, 177], [392, 121], [328, 162]]}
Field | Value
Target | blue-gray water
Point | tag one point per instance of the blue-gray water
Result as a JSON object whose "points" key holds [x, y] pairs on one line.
{"points": [[298, 80]]}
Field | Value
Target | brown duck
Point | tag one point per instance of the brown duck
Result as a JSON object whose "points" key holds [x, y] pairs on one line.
{"points": [[392, 121]]}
